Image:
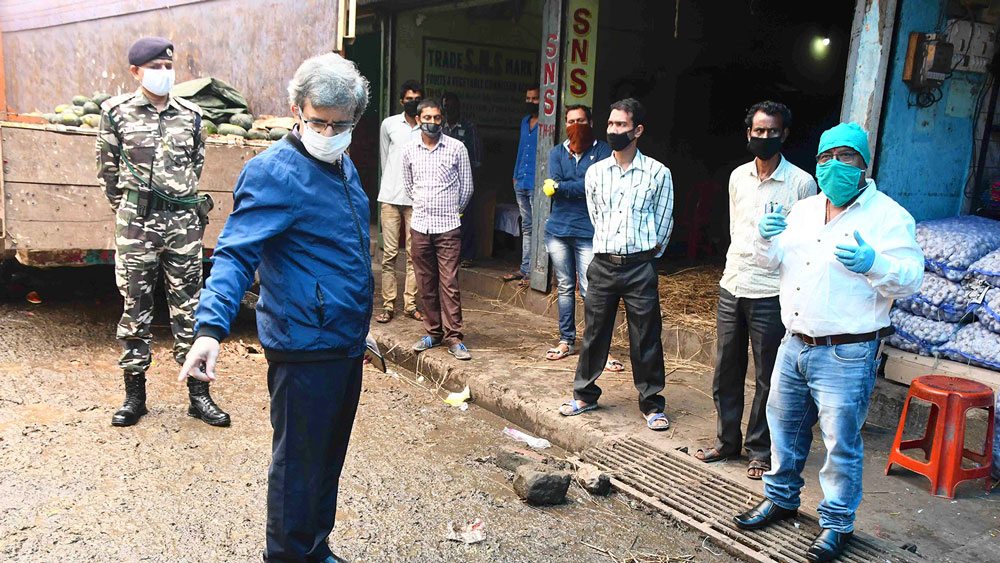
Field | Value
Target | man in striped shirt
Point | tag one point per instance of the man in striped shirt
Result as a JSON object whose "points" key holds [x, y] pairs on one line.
{"points": [[438, 178], [630, 199]]}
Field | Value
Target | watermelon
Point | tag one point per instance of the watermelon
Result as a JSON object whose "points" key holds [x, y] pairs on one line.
{"points": [[91, 107], [230, 129], [101, 97], [244, 120], [70, 118], [92, 119], [51, 117], [77, 109], [61, 108], [257, 134], [79, 100], [277, 133], [209, 127]]}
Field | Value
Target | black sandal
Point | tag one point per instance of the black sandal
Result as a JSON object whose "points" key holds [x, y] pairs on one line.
{"points": [[384, 316], [710, 455]]}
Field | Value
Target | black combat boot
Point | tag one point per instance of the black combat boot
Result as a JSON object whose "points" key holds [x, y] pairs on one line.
{"points": [[202, 405], [135, 401]]}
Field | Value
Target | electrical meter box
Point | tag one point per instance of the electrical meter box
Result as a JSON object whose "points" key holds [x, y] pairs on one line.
{"points": [[928, 60]]}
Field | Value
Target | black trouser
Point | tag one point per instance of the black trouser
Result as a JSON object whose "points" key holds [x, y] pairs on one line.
{"points": [[739, 320], [636, 285], [312, 411]]}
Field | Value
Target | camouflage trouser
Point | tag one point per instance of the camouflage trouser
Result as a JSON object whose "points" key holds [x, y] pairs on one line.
{"points": [[171, 239]]}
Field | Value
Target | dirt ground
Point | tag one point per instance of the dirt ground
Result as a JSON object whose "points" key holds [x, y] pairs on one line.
{"points": [[74, 488]]}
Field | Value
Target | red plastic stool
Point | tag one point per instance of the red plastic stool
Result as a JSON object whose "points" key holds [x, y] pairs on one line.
{"points": [[943, 442]]}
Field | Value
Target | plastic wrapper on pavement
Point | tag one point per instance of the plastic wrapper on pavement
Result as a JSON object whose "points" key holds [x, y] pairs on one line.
{"points": [[987, 268], [918, 334], [974, 344], [953, 244], [938, 299]]}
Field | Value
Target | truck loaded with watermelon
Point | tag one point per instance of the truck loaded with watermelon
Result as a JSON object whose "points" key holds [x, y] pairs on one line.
{"points": [[52, 211]]}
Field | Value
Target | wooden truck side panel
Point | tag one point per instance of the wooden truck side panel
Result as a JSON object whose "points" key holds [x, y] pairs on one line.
{"points": [[51, 199]]}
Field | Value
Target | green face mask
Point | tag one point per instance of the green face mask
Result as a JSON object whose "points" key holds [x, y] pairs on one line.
{"points": [[838, 181]]}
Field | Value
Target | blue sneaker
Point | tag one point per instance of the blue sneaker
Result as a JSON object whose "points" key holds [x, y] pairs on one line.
{"points": [[425, 343], [459, 351]]}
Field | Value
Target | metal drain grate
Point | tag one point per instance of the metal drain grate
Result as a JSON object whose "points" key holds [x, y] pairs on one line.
{"points": [[707, 501]]}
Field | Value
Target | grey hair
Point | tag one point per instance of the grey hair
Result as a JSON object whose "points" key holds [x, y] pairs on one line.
{"points": [[330, 81]]}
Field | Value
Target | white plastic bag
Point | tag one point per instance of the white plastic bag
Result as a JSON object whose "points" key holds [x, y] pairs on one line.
{"points": [[951, 245]]}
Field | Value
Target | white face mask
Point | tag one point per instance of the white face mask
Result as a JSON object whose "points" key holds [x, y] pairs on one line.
{"points": [[158, 81], [327, 149]]}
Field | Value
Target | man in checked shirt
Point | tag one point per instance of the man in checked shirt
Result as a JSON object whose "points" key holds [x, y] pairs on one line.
{"points": [[438, 178], [630, 199]]}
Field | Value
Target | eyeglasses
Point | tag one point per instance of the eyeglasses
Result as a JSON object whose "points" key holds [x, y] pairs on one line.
{"points": [[847, 156], [320, 126]]}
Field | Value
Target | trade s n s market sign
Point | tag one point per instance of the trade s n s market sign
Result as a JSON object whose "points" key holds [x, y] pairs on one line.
{"points": [[580, 52]]}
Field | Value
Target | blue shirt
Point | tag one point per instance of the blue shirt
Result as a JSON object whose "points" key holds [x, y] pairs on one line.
{"points": [[632, 210], [569, 217], [305, 231], [524, 166]]}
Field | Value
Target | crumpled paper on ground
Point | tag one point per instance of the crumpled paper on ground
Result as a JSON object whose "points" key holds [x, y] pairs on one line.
{"points": [[470, 533]]}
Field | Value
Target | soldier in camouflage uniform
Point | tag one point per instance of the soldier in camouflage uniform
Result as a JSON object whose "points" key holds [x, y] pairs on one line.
{"points": [[150, 153]]}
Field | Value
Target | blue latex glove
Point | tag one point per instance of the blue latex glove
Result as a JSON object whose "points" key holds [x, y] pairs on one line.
{"points": [[858, 258], [772, 224]]}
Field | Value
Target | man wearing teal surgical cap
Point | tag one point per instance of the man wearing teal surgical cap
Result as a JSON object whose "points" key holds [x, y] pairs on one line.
{"points": [[842, 257]]}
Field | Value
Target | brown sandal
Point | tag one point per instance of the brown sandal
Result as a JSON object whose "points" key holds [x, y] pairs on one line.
{"points": [[384, 316], [756, 465], [414, 314], [513, 277]]}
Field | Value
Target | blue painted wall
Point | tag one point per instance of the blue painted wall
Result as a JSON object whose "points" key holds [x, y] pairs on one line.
{"points": [[924, 153]]}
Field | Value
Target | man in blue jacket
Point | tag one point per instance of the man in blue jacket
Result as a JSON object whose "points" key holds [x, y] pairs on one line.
{"points": [[300, 219], [569, 234], [524, 180]]}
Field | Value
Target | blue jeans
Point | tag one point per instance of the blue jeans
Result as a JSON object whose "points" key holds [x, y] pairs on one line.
{"points": [[832, 385], [571, 257], [524, 198]]}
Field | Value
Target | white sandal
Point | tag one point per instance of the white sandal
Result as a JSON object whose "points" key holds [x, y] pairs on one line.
{"points": [[560, 354]]}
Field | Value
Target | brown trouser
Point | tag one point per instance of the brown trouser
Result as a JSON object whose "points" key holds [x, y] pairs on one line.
{"points": [[435, 262]]}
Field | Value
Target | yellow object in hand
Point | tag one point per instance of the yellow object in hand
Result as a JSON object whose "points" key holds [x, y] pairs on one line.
{"points": [[549, 187]]}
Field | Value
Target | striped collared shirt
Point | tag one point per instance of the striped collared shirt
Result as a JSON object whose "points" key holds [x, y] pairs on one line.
{"points": [[631, 209], [439, 181], [748, 196]]}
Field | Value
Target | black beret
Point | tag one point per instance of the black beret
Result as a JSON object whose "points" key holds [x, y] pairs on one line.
{"points": [[149, 49]]}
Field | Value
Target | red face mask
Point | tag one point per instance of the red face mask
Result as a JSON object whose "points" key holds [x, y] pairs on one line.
{"points": [[581, 137]]}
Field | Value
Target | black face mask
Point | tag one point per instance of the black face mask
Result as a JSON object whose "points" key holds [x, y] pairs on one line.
{"points": [[619, 141], [764, 147], [531, 108], [410, 107], [432, 130]]}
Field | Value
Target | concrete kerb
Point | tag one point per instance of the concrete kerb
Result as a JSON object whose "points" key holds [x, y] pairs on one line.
{"points": [[488, 390]]}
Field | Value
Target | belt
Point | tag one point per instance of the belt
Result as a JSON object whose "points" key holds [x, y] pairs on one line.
{"points": [[844, 338], [157, 203], [622, 259]]}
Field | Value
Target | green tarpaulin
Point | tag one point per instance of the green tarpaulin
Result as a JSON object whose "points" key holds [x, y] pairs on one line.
{"points": [[218, 101]]}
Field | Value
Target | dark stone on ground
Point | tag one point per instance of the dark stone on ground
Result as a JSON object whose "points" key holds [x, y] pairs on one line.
{"points": [[593, 479], [541, 484]]}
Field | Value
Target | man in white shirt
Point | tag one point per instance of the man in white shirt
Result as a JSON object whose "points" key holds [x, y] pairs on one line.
{"points": [[842, 258], [396, 209], [748, 311], [630, 200]]}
